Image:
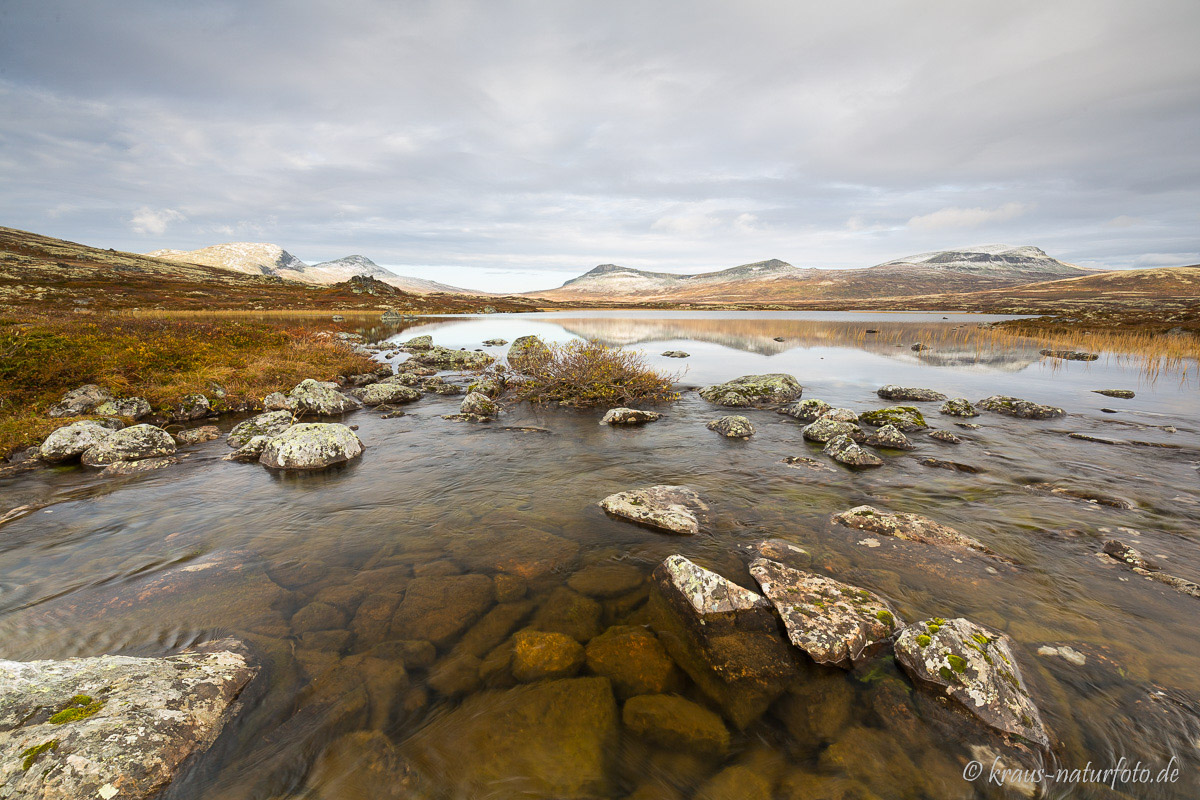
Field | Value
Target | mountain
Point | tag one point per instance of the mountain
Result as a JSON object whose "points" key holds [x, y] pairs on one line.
{"points": [[343, 268], [966, 270]]}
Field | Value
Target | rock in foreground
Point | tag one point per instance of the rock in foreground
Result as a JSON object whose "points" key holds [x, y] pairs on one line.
{"points": [[130, 444], [754, 390], [311, 445], [114, 726], [320, 399], [1016, 407], [71, 441], [675, 509]]}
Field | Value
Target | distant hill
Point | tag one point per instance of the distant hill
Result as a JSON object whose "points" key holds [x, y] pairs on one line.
{"points": [[343, 268]]}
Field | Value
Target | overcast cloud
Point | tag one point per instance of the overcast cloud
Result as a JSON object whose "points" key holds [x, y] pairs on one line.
{"points": [[553, 136]]}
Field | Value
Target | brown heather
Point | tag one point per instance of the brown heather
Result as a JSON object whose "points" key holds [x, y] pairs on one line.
{"points": [[586, 374]]}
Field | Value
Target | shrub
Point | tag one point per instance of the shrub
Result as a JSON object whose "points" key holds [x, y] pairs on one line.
{"points": [[586, 374]]}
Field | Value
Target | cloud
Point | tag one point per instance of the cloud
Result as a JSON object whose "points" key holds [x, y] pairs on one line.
{"points": [[1124, 221], [947, 218], [1167, 260], [154, 221]]}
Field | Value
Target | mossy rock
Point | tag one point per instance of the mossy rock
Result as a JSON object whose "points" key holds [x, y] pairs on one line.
{"points": [[904, 418]]}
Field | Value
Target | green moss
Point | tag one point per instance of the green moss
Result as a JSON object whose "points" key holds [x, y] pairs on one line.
{"points": [[932, 629], [30, 756], [923, 641], [981, 639], [946, 674], [957, 663], [885, 616], [81, 706]]}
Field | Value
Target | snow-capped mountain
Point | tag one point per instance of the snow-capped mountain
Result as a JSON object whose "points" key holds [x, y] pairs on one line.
{"points": [[610, 279], [995, 261]]}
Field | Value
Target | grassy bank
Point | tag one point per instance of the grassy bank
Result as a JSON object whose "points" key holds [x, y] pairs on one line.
{"points": [[160, 359]]}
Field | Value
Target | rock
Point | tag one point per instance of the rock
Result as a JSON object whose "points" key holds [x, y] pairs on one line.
{"points": [[909, 395], [132, 407], [138, 467], [130, 444], [269, 424], [80, 401], [958, 407], [86, 726], [1086, 495], [545, 655], [378, 394], [754, 390], [490, 386], [607, 579], [251, 451], [419, 343], [918, 347], [976, 667], [1016, 407], [629, 416], [526, 351], [844, 450], [945, 436], [909, 527], [479, 404], [676, 723], [825, 429], [889, 436], [552, 739], [904, 418], [732, 427], [569, 613], [320, 399], [205, 433], [445, 358], [634, 660], [438, 609], [968, 426], [676, 354], [735, 782], [361, 765], [391, 315], [192, 406], [275, 401], [1125, 554], [675, 509], [725, 637], [71, 441], [806, 410], [495, 342], [1122, 394], [1070, 355], [841, 415], [439, 385], [834, 622], [311, 445], [804, 462], [938, 463]]}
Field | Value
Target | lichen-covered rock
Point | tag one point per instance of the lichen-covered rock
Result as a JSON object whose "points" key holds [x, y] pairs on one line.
{"points": [[634, 660], [804, 462], [204, 433], [132, 407], [841, 415], [130, 444], [490, 386], [732, 427], [754, 390], [545, 655], [945, 436], [905, 418], [80, 401], [958, 407], [192, 406], [439, 385], [889, 436], [71, 441], [320, 399], [391, 393], [834, 622], [419, 343], [445, 358], [628, 416], [806, 410], [114, 726], [676, 723], [824, 429], [976, 667], [526, 351], [904, 394], [478, 404], [276, 401], [272, 423], [1070, 355], [675, 509], [138, 467], [1016, 407], [845, 450], [311, 445], [251, 451], [909, 527], [1121, 394]]}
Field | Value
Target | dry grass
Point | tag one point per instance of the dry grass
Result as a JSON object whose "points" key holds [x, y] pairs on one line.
{"points": [[586, 374]]}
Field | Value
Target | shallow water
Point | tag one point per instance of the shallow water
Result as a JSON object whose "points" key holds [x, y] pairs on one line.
{"points": [[434, 497]]}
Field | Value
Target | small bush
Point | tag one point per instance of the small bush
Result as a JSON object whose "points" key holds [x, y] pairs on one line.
{"points": [[587, 374]]}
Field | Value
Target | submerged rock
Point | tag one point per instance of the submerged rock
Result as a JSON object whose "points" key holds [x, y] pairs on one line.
{"points": [[732, 427], [804, 462], [834, 622], [1070, 355], [675, 509], [311, 445], [909, 527], [904, 418], [754, 390], [320, 399], [806, 410], [130, 444], [1122, 394], [825, 429], [939, 463], [272, 423], [71, 441], [1086, 495], [634, 660], [976, 667], [844, 450], [438, 609], [1016, 407], [1119, 551], [945, 436], [889, 436], [138, 467], [543, 655], [906, 394], [628, 416], [80, 401], [114, 726], [526, 351], [958, 407], [676, 723]]}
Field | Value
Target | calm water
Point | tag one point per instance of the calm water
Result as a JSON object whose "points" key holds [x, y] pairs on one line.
{"points": [[322, 561]]}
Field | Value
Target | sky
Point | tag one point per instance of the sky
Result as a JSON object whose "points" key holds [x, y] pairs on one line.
{"points": [[509, 146]]}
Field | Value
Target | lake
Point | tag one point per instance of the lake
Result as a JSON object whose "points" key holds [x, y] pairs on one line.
{"points": [[312, 570]]}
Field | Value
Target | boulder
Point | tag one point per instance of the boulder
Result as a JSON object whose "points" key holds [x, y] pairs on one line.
{"points": [[1016, 407], [130, 444], [320, 399], [890, 437], [834, 622], [958, 407], [974, 666], [445, 358], [86, 726], [80, 401], [391, 393], [362, 765], [490, 386], [841, 415], [71, 441], [132, 407], [251, 451], [439, 385], [545, 655], [270, 424], [1070, 355], [674, 509], [629, 416], [806, 410], [311, 445], [478, 404], [634, 660], [732, 427], [205, 433], [909, 527], [824, 429], [276, 401], [754, 390], [676, 723], [419, 343], [526, 351], [192, 406], [903, 394], [844, 450], [945, 436], [905, 418]]}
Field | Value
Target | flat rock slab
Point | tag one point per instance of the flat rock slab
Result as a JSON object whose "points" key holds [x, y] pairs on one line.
{"points": [[908, 394], [974, 666], [675, 509], [114, 726], [909, 527], [834, 622], [1016, 407], [754, 390], [628, 416]]}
